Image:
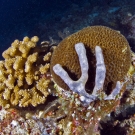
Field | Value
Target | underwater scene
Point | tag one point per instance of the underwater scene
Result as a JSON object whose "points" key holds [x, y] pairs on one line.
{"points": [[67, 67]]}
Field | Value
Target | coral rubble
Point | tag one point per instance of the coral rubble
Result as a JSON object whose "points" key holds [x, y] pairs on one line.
{"points": [[23, 74], [11, 122]]}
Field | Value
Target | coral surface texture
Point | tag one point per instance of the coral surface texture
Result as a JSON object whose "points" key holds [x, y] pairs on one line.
{"points": [[116, 52]]}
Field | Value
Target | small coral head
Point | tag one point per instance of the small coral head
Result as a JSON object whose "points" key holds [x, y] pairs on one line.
{"points": [[116, 60]]}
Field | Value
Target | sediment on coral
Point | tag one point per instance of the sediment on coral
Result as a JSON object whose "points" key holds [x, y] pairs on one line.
{"points": [[23, 73]]}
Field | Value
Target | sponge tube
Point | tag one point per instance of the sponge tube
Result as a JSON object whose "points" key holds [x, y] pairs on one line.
{"points": [[100, 71], [79, 85]]}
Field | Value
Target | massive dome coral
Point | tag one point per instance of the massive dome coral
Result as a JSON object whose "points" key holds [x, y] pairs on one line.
{"points": [[115, 49]]}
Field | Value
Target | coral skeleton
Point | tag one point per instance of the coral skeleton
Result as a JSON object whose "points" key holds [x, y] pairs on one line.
{"points": [[79, 85]]}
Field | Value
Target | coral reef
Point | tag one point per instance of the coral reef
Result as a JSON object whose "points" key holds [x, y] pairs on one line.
{"points": [[97, 56], [116, 51], [79, 85], [67, 115], [80, 14], [11, 122], [23, 74], [85, 108], [121, 121], [129, 22]]}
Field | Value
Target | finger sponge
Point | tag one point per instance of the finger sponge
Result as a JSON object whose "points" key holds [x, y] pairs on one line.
{"points": [[116, 52]]}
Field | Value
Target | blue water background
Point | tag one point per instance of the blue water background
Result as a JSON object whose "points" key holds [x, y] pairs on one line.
{"points": [[45, 18]]}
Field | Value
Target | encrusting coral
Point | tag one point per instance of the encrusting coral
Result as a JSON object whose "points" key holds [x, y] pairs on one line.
{"points": [[23, 74], [116, 51]]}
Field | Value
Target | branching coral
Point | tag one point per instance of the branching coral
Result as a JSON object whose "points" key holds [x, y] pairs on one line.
{"points": [[23, 79]]}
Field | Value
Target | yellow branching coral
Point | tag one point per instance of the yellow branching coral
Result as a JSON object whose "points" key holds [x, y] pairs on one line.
{"points": [[23, 78], [43, 69], [47, 56]]}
